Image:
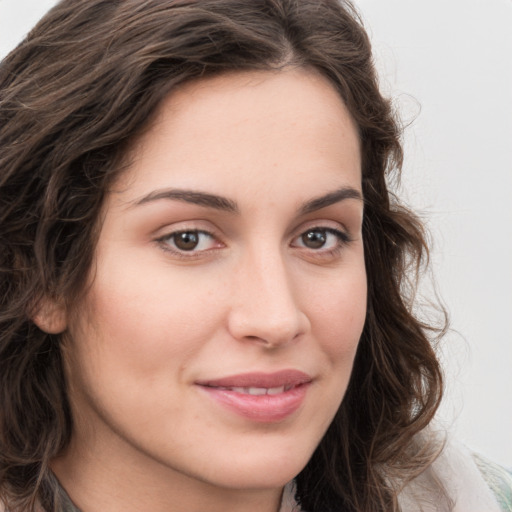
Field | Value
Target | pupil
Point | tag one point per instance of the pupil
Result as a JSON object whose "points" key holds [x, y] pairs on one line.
{"points": [[186, 241], [314, 239]]}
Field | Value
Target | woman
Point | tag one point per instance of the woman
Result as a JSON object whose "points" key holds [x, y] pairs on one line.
{"points": [[205, 281]]}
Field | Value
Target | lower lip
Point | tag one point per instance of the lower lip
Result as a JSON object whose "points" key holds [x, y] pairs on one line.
{"points": [[260, 408]]}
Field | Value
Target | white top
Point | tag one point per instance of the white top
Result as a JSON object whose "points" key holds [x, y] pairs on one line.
{"points": [[455, 469]]}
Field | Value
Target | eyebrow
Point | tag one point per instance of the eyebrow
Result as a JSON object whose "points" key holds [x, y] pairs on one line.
{"points": [[326, 200], [193, 197], [224, 204]]}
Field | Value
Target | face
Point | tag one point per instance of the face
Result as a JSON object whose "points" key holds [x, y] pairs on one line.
{"points": [[228, 293]]}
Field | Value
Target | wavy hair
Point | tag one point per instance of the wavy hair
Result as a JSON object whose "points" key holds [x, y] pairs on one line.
{"points": [[73, 95]]}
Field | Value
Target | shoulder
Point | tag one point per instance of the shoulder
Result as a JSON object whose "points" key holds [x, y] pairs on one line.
{"points": [[459, 481], [498, 479]]}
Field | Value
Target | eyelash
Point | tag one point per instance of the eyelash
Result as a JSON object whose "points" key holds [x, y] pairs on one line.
{"points": [[165, 241], [169, 238], [343, 239]]}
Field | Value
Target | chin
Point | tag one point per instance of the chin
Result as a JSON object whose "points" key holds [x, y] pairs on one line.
{"points": [[267, 476], [258, 470]]}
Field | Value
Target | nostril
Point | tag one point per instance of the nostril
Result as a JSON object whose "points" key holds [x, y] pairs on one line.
{"points": [[268, 332]]}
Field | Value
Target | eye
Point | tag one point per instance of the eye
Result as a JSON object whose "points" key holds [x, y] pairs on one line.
{"points": [[325, 239], [190, 240]]}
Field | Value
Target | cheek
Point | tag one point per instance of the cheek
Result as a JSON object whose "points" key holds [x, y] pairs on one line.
{"points": [[140, 324], [338, 319], [338, 313]]}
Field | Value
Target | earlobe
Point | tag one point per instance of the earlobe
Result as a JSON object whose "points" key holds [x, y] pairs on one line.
{"points": [[50, 316]]}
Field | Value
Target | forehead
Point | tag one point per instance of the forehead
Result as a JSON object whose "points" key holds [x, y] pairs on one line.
{"points": [[269, 126]]}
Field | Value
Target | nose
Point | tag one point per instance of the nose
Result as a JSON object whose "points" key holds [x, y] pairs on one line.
{"points": [[265, 306]]}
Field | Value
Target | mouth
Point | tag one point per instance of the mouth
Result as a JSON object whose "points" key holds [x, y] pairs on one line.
{"points": [[254, 391], [285, 379], [259, 397]]}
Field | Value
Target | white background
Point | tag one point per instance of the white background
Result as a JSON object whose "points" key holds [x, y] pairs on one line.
{"points": [[448, 63]]}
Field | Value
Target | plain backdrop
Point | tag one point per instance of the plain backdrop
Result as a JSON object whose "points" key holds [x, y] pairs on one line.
{"points": [[448, 66]]}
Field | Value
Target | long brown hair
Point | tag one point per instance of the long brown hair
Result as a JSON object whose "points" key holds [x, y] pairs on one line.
{"points": [[73, 95]]}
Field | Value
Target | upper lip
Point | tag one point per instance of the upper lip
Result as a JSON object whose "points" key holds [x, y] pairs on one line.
{"points": [[288, 378]]}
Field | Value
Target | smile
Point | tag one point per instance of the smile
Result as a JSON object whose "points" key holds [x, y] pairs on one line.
{"points": [[259, 397], [258, 391]]}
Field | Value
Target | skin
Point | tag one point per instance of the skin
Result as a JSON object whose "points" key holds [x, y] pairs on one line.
{"points": [[253, 295]]}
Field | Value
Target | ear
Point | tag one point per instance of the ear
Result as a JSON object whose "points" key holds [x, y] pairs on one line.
{"points": [[50, 316]]}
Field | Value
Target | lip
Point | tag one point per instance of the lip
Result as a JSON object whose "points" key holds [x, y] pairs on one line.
{"points": [[232, 392]]}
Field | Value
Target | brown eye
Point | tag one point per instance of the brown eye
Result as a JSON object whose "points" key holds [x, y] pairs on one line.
{"points": [[321, 240], [186, 240], [192, 241], [314, 239]]}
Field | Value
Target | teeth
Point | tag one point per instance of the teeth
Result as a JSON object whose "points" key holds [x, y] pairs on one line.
{"points": [[257, 391], [260, 391]]}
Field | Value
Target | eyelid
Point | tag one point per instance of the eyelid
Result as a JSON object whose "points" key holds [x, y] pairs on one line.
{"points": [[342, 234], [324, 224], [164, 239], [323, 255]]}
